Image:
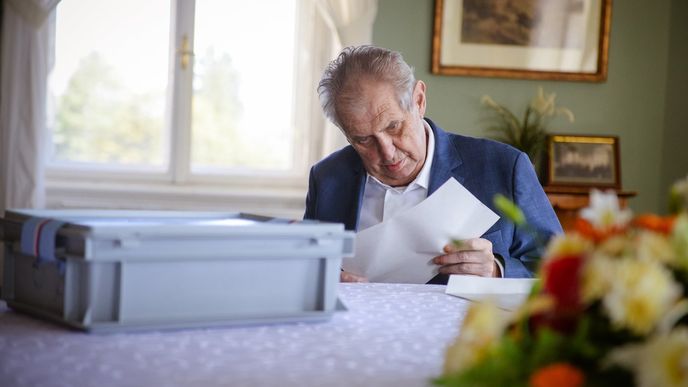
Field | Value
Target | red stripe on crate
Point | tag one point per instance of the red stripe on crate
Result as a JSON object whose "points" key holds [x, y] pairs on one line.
{"points": [[37, 237]]}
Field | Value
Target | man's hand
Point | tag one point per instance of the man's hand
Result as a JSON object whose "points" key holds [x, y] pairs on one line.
{"points": [[470, 256], [345, 276]]}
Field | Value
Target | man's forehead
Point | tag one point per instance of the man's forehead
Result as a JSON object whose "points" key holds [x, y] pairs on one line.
{"points": [[369, 107], [362, 121]]}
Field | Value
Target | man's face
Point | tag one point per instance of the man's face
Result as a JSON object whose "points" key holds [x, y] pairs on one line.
{"points": [[390, 140]]}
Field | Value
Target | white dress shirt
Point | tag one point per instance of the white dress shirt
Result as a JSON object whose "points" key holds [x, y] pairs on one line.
{"points": [[382, 202]]}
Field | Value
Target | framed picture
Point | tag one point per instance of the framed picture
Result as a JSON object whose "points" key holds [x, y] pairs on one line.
{"points": [[531, 39], [590, 161]]}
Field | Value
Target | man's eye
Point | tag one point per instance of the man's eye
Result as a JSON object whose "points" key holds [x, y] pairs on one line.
{"points": [[363, 141]]}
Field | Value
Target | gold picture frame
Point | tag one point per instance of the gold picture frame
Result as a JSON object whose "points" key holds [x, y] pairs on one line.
{"points": [[583, 161], [555, 39]]}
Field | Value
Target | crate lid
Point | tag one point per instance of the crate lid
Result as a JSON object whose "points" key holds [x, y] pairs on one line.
{"points": [[106, 234]]}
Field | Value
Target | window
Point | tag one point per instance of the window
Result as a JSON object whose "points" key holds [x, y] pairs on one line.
{"points": [[179, 97]]}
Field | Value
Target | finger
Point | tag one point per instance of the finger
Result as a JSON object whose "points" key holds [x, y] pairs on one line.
{"points": [[345, 276], [463, 257], [480, 269]]}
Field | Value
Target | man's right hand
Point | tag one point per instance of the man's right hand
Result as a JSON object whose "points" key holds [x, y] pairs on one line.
{"points": [[345, 276]]}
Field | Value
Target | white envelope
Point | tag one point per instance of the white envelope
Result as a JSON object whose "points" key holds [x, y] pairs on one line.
{"points": [[506, 293]]}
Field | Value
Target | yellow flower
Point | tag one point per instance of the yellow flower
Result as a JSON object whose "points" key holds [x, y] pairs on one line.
{"points": [[568, 244], [597, 277], [639, 294], [536, 304], [661, 361], [615, 246], [652, 246], [604, 211], [482, 327]]}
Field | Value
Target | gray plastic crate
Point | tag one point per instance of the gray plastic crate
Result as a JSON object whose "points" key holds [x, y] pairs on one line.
{"points": [[129, 270]]}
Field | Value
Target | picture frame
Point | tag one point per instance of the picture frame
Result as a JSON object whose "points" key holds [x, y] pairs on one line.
{"points": [[583, 161], [554, 40]]}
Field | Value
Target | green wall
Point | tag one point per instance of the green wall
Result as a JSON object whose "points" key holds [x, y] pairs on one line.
{"points": [[630, 104], [675, 150]]}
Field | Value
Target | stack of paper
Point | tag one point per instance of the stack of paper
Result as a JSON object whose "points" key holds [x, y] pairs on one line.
{"points": [[400, 249]]}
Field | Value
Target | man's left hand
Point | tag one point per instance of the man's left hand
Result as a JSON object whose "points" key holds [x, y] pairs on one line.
{"points": [[470, 256]]}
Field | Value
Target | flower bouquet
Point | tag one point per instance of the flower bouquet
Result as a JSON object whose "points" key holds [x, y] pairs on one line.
{"points": [[610, 308]]}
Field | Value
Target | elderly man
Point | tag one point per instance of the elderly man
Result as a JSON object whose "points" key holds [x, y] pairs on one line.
{"points": [[397, 158]]}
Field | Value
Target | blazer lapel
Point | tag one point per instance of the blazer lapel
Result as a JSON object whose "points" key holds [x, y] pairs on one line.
{"points": [[357, 200], [446, 162]]}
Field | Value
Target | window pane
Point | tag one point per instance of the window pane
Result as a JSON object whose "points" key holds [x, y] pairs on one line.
{"points": [[243, 84], [109, 81]]}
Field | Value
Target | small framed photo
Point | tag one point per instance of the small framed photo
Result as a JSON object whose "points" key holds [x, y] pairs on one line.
{"points": [[585, 161]]}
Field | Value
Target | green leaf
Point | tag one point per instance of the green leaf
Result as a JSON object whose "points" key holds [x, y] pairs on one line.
{"points": [[509, 209]]}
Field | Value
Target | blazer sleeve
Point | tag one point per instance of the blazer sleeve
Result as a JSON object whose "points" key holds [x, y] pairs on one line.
{"points": [[528, 243], [311, 196]]}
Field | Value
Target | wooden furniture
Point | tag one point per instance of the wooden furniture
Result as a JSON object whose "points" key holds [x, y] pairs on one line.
{"points": [[568, 201]]}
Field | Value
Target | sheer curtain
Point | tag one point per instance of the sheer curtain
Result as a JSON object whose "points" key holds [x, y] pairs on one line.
{"points": [[27, 52], [346, 23], [26, 58]]}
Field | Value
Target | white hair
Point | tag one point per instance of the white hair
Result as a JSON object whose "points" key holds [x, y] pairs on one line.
{"points": [[356, 62]]}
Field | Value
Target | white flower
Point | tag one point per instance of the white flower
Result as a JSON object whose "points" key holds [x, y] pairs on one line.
{"points": [[640, 293], [604, 211], [661, 361]]}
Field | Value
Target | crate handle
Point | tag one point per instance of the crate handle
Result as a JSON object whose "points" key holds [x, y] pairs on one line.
{"points": [[38, 238]]}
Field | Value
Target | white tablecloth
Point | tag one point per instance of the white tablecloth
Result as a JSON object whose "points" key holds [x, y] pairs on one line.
{"points": [[392, 335]]}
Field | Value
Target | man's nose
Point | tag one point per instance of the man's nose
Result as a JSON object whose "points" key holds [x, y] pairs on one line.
{"points": [[387, 148]]}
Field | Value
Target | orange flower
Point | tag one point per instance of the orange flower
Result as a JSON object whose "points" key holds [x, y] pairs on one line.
{"points": [[557, 375], [655, 223], [596, 235]]}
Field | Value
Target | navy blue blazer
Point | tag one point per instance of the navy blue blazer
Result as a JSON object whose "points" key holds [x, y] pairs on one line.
{"points": [[484, 167]]}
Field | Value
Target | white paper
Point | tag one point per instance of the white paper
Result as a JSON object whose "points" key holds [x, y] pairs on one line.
{"points": [[400, 249], [506, 293]]}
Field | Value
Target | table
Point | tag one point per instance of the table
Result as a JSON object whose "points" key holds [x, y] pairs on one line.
{"points": [[392, 335]]}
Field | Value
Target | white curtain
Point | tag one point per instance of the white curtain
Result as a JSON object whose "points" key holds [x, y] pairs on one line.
{"points": [[26, 58], [346, 23]]}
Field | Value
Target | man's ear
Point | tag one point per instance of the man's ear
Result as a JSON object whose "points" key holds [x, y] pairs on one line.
{"points": [[419, 97]]}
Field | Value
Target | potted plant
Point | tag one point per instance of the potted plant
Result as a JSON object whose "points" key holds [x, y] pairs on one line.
{"points": [[529, 133]]}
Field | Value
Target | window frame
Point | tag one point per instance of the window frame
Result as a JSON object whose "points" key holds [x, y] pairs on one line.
{"points": [[174, 185]]}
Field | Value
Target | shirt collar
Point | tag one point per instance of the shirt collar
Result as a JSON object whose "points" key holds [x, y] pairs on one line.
{"points": [[423, 178]]}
